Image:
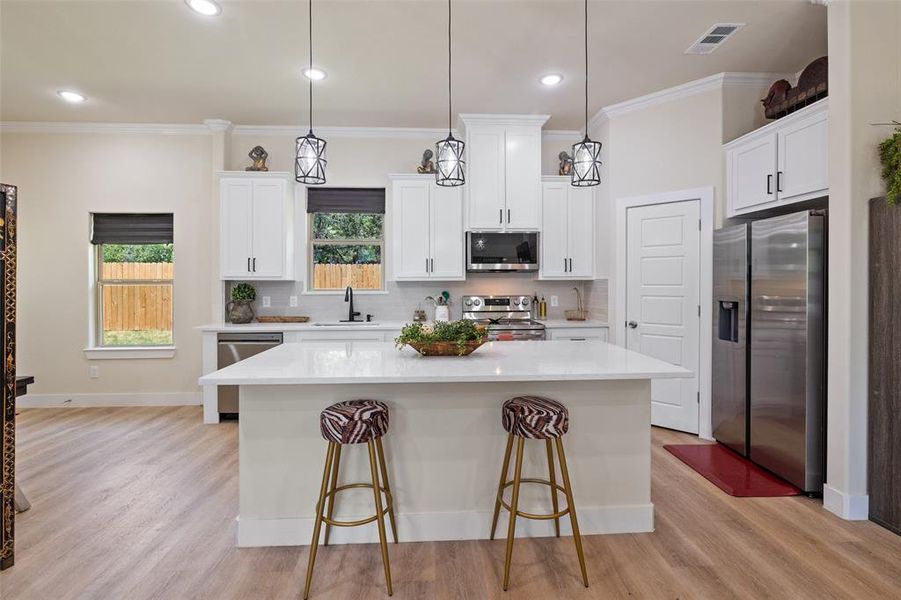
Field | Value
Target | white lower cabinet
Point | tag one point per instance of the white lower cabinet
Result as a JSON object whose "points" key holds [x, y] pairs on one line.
{"points": [[427, 229], [578, 334], [567, 230]]}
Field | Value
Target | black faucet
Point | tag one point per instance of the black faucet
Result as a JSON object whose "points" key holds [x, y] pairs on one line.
{"points": [[351, 314]]}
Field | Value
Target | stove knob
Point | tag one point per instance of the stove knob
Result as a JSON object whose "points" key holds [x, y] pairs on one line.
{"points": [[468, 302], [524, 302], [477, 302]]}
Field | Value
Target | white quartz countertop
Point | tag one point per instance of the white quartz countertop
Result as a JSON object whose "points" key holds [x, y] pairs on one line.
{"points": [[377, 326], [381, 362]]}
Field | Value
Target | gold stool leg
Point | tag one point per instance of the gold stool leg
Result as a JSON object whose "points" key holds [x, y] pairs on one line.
{"points": [[577, 537], [380, 518], [500, 486], [384, 469], [552, 477], [331, 498], [314, 544], [514, 503]]}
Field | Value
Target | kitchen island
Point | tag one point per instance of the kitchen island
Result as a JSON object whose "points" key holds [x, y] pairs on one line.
{"points": [[445, 441]]}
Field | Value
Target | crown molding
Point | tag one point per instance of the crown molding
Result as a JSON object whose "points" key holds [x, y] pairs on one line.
{"points": [[218, 125], [503, 119], [126, 128], [561, 135], [401, 133], [685, 90]]}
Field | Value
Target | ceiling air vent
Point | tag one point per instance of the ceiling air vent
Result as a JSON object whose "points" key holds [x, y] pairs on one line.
{"points": [[713, 38]]}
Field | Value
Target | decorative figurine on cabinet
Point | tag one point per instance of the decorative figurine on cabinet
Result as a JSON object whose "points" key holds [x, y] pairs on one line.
{"points": [[566, 163], [426, 166], [258, 155]]}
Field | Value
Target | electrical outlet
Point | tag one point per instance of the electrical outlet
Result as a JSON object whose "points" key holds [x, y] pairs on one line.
{"points": [[292, 301], [94, 371], [267, 301], [555, 301]]}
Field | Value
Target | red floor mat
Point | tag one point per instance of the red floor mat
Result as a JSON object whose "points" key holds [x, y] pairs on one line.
{"points": [[732, 473]]}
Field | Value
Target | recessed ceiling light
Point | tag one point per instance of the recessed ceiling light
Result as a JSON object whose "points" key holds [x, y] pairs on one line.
{"points": [[551, 79], [70, 96], [207, 8], [314, 74]]}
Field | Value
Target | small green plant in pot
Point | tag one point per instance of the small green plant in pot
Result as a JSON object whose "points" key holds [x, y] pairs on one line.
{"points": [[890, 156], [240, 309]]}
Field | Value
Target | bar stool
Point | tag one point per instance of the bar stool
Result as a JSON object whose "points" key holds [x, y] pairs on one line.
{"points": [[344, 423], [535, 418]]}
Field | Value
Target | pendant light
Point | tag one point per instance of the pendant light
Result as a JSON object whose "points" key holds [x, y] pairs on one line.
{"points": [[449, 151], [310, 161], [587, 153]]}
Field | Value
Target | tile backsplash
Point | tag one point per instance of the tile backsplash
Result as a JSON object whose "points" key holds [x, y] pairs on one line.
{"points": [[401, 298]]}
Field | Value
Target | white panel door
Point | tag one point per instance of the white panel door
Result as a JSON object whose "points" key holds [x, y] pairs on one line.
{"points": [[804, 158], [581, 232], [553, 239], [485, 178], [662, 303], [410, 204], [269, 252], [523, 178], [446, 232], [235, 228], [752, 174]]}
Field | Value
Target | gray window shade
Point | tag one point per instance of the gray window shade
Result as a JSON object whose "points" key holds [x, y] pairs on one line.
{"points": [[346, 200], [122, 228]]}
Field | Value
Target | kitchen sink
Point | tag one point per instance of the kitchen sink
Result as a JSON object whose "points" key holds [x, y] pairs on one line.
{"points": [[351, 324]]}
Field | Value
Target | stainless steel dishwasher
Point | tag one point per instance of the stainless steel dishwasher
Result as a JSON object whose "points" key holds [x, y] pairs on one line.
{"points": [[235, 347]]}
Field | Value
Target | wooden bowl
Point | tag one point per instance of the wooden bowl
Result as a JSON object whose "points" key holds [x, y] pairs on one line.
{"points": [[445, 348]]}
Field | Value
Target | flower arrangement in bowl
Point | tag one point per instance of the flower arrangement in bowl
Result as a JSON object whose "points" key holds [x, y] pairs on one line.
{"points": [[450, 338]]}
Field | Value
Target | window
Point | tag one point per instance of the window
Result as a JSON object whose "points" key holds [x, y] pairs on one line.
{"points": [[134, 279], [346, 238]]}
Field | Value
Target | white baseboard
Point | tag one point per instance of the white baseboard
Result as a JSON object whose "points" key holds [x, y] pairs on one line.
{"points": [[446, 526], [847, 506], [97, 400]]}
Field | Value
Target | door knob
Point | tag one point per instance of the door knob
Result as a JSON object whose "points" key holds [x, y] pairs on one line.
{"points": [[632, 324]]}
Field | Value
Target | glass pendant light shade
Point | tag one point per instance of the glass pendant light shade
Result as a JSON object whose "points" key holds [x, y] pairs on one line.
{"points": [[586, 163], [450, 162], [310, 160]]}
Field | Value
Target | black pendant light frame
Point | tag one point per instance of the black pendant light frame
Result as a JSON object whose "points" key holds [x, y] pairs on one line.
{"points": [[586, 171], [449, 151], [310, 158]]}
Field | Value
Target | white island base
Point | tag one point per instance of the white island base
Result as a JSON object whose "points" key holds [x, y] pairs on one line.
{"points": [[445, 442]]}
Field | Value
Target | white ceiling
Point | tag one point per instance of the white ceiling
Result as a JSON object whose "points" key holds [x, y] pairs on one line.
{"points": [[145, 61]]}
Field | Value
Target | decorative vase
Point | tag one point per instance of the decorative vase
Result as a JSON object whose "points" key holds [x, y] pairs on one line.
{"points": [[240, 311], [442, 313]]}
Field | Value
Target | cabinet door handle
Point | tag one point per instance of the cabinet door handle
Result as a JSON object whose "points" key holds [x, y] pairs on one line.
{"points": [[248, 264], [254, 264], [564, 265], [769, 184], [500, 216], [778, 181], [508, 216], [570, 265], [426, 265], [432, 265]]}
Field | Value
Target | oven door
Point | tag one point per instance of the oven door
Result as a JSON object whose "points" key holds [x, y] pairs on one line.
{"points": [[488, 251]]}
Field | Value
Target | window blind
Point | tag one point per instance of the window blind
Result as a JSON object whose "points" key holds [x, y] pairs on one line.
{"points": [[131, 228], [346, 200]]}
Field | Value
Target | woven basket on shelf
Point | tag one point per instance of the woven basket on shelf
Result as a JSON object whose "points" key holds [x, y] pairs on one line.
{"points": [[576, 315]]}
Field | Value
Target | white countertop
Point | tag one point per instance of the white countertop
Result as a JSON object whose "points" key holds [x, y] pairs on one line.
{"points": [[377, 326], [381, 362]]}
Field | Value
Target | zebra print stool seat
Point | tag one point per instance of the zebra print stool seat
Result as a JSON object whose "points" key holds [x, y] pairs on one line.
{"points": [[535, 418], [354, 421]]}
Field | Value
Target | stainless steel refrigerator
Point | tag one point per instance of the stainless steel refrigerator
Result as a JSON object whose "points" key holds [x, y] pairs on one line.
{"points": [[769, 352]]}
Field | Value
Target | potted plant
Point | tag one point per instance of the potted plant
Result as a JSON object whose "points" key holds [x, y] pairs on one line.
{"points": [[890, 156], [240, 309], [443, 338]]}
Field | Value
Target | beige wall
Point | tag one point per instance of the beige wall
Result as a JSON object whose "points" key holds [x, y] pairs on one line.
{"points": [[865, 87], [61, 179]]}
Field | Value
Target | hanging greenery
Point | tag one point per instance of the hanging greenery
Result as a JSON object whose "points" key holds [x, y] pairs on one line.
{"points": [[890, 155]]}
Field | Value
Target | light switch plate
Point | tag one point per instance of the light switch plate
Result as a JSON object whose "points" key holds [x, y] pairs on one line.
{"points": [[555, 301], [267, 301], [94, 371], [292, 301]]}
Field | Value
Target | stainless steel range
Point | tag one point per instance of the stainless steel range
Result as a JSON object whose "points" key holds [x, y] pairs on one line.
{"points": [[508, 318]]}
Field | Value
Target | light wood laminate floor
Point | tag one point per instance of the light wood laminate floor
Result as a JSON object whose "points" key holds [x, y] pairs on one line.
{"points": [[133, 503]]}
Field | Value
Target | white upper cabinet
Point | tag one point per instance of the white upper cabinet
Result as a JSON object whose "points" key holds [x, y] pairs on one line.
{"points": [[503, 172], [567, 230], [784, 162], [427, 229], [255, 226]]}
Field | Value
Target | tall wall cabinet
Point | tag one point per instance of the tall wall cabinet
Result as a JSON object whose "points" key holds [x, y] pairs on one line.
{"points": [[427, 229], [503, 170], [567, 230], [256, 225]]}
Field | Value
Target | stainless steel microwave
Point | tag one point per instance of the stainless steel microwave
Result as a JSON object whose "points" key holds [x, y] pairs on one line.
{"points": [[490, 251]]}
